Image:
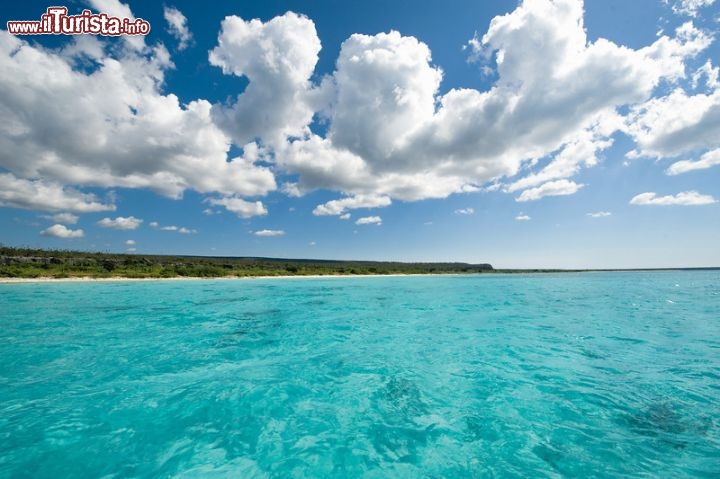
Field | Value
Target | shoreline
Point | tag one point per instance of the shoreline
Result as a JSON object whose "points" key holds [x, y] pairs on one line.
{"points": [[122, 279]]}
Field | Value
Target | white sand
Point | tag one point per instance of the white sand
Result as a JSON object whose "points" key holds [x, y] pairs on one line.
{"points": [[89, 279]]}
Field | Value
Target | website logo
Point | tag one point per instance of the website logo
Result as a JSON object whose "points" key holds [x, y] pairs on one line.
{"points": [[56, 21]]}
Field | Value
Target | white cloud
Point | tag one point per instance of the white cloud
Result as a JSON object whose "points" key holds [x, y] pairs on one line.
{"points": [[269, 233], [66, 218], [476, 52], [369, 220], [177, 26], [390, 131], [522, 217], [278, 58], [708, 160], [61, 231], [599, 214], [124, 132], [465, 211], [180, 229], [131, 250], [552, 110], [708, 72], [121, 223], [48, 196], [691, 7], [385, 93], [551, 188], [339, 207], [581, 151], [115, 8], [686, 198], [130, 242], [242, 208], [675, 124], [346, 216], [291, 189]]}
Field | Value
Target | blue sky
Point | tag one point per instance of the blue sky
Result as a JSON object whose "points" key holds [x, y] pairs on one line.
{"points": [[541, 133]]}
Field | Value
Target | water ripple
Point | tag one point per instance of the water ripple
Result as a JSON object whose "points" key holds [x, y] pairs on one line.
{"points": [[574, 375]]}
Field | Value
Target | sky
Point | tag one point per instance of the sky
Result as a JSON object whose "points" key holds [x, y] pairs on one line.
{"points": [[524, 134]]}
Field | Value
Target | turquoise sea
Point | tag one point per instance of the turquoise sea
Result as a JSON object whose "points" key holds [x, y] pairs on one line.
{"points": [[568, 375]]}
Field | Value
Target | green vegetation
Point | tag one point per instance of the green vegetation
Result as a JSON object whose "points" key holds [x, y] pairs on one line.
{"points": [[33, 263]]}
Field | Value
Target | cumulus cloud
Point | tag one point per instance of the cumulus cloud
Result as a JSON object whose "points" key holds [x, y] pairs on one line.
{"points": [[675, 124], [465, 211], [124, 133], [121, 223], [686, 198], [278, 58], [369, 220], [680, 124], [708, 160], [599, 214], [385, 92], [269, 233], [130, 242], [61, 231], [551, 188], [346, 216], [177, 26], [339, 207], [522, 217], [553, 109], [65, 218], [389, 131], [46, 195], [242, 208]]}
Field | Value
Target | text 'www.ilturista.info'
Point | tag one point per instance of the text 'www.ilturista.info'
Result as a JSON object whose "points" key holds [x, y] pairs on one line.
{"points": [[56, 21]]}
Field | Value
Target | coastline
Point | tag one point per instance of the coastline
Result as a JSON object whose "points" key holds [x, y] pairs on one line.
{"points": [[122, 279]]}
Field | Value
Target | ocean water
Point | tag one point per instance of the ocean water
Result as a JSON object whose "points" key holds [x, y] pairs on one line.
{"points": [[567, 375]]}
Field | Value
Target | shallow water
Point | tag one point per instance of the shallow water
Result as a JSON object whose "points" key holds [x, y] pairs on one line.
{"points": [[568, 375]]}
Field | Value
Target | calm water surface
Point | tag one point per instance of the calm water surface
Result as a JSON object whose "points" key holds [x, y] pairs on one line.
{"points": [[570, 375]]}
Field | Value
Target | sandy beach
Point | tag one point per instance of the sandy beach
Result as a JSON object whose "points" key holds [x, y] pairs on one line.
{"points": [[90, 279]]}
